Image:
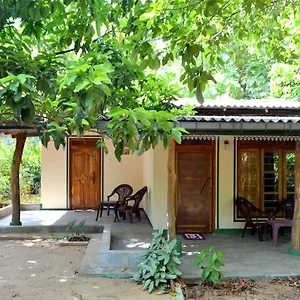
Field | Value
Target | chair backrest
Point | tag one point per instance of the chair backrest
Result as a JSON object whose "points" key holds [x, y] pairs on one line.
{"points": [[245, 207], [138, 197], [287, 206], [123, 191]]}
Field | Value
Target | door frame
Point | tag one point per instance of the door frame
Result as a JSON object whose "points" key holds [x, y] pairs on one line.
{"points": [[193, 148], [69, 172]]}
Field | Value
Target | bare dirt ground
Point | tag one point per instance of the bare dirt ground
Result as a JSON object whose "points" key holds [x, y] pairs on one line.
{"points": [[43, 270], [263, 289]]}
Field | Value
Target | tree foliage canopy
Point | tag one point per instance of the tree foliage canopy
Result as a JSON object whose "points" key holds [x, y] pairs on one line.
{"points": [[69, 62]]}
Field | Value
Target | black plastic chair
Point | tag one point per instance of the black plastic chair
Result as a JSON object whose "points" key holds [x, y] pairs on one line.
{"points": [[250, 212], [286, 207], [133, 208], [123, 191]]}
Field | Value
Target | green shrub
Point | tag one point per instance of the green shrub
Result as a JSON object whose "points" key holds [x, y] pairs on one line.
{"points": [[30, 173], [30, 170], [158, 264], [6, 154], [211, 259]]}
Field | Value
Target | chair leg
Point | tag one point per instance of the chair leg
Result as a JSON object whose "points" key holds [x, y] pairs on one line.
{"points": [[275, 235], [101, 210], [98, 210], [130, 216], [116, 214], [245, 227], [266, 229], [138, 215], [260, 233], [108, 207]]}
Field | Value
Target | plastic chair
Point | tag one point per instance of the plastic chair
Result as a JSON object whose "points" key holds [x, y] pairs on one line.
{"points": [[134, 208], [250, 212], [123, 191]]}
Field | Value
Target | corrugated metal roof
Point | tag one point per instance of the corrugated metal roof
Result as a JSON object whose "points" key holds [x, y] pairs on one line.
{"points": [[227, 102], [237, 119]]}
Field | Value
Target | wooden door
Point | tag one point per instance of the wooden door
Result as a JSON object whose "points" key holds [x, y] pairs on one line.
{"points": [[85, 174], [195, 208]]}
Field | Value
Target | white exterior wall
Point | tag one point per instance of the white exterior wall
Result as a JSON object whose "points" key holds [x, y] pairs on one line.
{"points": [[226, 185], [129, 170], [160, 187], [156, 179], [54, 177], [148, 181], [54, 186]]}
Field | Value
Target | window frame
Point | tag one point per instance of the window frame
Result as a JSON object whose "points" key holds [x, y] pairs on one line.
{"points": [[285, 173], [257, 204], [281, 147]]}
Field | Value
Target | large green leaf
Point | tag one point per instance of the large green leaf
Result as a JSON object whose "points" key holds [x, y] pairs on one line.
{"points": [[206, 272], [176, 134], [81, 85], [165, 140], [6, 79], [199, 94], [105, 89], [22, 77], [142, 118]]}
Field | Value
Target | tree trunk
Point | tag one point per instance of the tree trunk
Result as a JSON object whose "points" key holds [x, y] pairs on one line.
{"points": [[171, 191], [296, 220], [15, 184]]}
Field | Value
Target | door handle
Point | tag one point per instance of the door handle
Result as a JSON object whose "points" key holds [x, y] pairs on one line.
{"points": [[204, 185]]}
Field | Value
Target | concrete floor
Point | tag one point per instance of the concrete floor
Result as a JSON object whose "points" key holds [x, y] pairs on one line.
{"points": [[125, 236], [243, 256], [36, 217], [246, 256]]}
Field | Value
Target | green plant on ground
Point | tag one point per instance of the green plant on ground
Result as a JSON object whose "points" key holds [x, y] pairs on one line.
{"points": [[158, 264], [210, 261], [25, 199], [75, 230]]}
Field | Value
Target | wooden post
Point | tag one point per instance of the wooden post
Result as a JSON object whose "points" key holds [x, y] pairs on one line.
{"points": [[171, 191], [15, 184], [296, 220]]}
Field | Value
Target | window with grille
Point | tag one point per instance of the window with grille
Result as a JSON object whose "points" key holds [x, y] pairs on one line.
{"points": [[265, 174]]}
